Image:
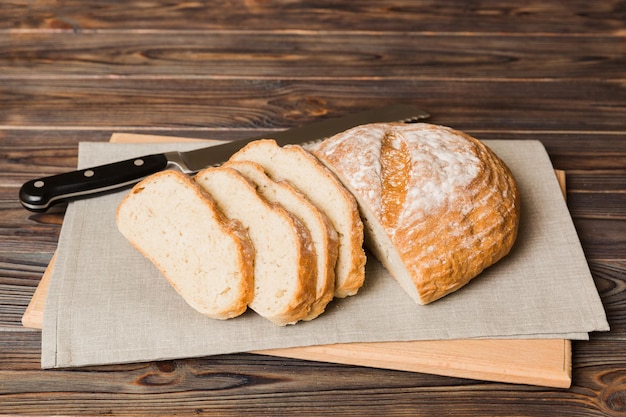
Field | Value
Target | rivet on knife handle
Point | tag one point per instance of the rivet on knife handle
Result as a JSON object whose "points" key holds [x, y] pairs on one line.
{"points": [[39, 194]]}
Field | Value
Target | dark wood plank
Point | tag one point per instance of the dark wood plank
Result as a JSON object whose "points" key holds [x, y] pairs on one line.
{"points": [[610, 279], [600, 206], [603, 181], [269, 104], [252, 384], [602, 238], [305, 55], [18, 226], [574, 151], [31, 160], [572, 17]]}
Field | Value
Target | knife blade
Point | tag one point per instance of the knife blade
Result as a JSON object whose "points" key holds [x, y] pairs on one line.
{"points": [[40, 194]]}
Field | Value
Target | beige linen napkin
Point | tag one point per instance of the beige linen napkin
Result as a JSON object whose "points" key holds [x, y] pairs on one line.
{"points": [[108, 304]]}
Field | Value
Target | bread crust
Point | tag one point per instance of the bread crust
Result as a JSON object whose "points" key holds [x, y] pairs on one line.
{"points": [[438, 205]]}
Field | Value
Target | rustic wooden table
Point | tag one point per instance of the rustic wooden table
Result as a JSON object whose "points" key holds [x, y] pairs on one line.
{"points": [[80, 70]]}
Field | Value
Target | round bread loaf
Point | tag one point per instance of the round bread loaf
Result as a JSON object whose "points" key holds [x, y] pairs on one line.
{"points": [[438, 205]]}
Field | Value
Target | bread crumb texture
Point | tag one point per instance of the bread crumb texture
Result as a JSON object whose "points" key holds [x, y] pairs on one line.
{"points": [[285, 264], [205, 257], [304, 172]]}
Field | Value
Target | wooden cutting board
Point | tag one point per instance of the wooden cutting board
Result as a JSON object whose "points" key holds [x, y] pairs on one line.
{"points": [[545, 362]]}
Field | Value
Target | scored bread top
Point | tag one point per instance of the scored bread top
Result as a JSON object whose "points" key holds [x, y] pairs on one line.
{"points": [[324, 237], [206, 257], [285, 261], [438, 205], [303, 171]]}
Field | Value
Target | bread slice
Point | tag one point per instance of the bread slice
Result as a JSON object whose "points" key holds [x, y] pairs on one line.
{"points": [[206, 257], [324, 237], [285, 262], [438, 205], [293, 164]]}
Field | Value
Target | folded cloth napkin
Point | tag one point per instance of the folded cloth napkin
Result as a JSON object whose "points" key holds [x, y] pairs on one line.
{"points": [[108, 304]]}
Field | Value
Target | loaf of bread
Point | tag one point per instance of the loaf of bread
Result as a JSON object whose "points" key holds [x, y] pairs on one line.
{"points": [[324, 237], [206, 257], [438, 205], [285, 266], [303, 171]]}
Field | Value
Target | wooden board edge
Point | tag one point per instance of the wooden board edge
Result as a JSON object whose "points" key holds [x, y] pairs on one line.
{"points": [[142, 139], [33, 316], [443, 357]]}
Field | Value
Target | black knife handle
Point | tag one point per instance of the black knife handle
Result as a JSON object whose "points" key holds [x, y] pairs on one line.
{"points": [[39, 194]]}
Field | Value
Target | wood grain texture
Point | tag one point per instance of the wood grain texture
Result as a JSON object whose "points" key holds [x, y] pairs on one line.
{"points": [[81, 70], [251, 385], [123, 103], [216, 55], [368, 15]]}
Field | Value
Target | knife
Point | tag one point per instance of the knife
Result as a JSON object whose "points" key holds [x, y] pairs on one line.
{"points": [[40, 194]]}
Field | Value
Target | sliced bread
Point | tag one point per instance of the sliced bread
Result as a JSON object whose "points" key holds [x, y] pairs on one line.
{"points": [[206, 257], [324, 237], [285, 261], [302, 170]]}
